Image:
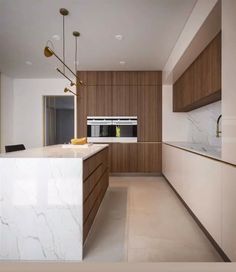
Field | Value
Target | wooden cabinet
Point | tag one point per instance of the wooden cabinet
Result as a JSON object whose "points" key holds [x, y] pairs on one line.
{"points": [[99, 100], [124, 78], [135, 157], [149, 113], [149, 157], [96, 78], [95, 183], [123, 93], [149, 78], [124, 100], [82, 112], [123, 157], [200, 84]]}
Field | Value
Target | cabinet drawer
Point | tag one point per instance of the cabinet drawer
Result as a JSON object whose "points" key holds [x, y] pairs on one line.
{"points": [[93, 162]]}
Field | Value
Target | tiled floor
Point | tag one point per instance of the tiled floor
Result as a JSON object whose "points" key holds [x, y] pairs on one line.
{"points": [[142, 220]]}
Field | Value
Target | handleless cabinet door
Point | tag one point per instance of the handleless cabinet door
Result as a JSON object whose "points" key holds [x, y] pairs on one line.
{"points": [[123, 157], [149, 157], [228, 211], [99, 100], [98, 78], [124, 101], [149, 113]]}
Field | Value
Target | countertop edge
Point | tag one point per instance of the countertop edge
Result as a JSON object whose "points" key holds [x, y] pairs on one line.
{"points": [[199, 153]]}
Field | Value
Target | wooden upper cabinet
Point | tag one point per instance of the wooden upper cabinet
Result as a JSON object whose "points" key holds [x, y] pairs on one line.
{"points": [[149, 78], [149, 113], [124, 100], [99, 100], [200, 84], [96, 78]]}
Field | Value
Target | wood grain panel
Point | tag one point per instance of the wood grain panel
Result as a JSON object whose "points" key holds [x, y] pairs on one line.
{"points": [[99, 100], [201, 82], [149, 157], [149, 113], [82, 112], [95, 183], [97, 78], [149, 78], [127, 78]]}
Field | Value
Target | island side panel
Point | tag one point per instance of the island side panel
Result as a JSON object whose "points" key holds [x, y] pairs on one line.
{"points": [[95, 184], [41, 209]]}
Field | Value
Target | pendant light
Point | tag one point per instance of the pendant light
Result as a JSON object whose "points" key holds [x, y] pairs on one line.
{"points": [[49, 51]]}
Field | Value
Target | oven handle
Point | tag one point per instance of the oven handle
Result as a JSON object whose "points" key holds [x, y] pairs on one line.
{"points": [[97, 123], [124, 123]]}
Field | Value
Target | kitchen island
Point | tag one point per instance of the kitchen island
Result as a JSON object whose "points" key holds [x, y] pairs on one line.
{"points": [[49, 198]]}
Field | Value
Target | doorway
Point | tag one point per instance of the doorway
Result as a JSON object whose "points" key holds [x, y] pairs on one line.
{"points": [[58, 119]]}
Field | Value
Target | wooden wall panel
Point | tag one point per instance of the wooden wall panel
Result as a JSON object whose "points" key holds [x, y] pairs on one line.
{"points": [[150, 113], [99, 100], [150, 157]]}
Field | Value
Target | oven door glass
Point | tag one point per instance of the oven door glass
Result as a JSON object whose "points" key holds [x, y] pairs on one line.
{"points": [[128, 130], [101, 131]]}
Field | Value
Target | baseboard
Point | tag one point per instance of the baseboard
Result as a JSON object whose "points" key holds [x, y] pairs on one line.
{"points": [[208, 235]]}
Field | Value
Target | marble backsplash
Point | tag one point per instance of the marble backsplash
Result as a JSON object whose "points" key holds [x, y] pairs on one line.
{"points": [[202, 124]]}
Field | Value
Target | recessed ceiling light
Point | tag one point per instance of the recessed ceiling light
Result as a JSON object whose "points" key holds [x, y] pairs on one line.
{"points": [[122, 62], [28, 62], [56, 37], [119, 37]]}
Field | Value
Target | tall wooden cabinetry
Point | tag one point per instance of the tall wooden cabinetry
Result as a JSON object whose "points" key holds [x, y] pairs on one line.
{"points": [[126, 93], [200, 84]]}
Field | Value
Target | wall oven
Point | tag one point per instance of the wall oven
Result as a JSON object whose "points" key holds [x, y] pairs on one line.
{"points": [[112, 129]]}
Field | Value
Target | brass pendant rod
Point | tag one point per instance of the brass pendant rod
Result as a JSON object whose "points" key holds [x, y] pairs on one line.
{"points": [[71, 82], [64, 64]]}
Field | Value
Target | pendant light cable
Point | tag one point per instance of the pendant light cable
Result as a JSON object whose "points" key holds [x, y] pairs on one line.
{"points": [[76, 64], [63, 31]]}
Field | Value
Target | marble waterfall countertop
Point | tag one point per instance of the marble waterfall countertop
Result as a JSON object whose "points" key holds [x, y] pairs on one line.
{"points": [[58, 151], [41, 203], [213, 152]]}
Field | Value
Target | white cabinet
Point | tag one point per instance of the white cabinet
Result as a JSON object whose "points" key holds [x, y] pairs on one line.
{"points": [[229, 211], [198, 181]]}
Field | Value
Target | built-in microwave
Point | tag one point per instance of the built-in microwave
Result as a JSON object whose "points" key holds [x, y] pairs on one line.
{"points": [[112, 129]]}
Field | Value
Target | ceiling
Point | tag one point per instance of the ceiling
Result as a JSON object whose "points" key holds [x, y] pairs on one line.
{"points": [[150, 29]]}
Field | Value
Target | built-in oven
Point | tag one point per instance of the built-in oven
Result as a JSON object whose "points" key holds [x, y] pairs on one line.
{"points": [[112, 129]]}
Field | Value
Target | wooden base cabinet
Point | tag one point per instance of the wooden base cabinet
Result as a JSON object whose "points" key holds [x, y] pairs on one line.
{"points": [[135, 157], [95, 183]]}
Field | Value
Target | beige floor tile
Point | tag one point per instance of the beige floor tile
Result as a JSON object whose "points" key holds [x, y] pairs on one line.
{"points": [[142, 220]]}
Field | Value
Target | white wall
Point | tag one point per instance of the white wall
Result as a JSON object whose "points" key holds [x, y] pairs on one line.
{"points": [[28, 108], [7, 107], [229, 80], [199, 14], [174, 125]]}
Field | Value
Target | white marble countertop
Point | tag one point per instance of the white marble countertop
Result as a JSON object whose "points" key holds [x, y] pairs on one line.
{"points": [[213, 152], [58, 151]]}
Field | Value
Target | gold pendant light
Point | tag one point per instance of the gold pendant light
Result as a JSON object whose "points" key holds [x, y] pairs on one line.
{"points": [[48, 52]]}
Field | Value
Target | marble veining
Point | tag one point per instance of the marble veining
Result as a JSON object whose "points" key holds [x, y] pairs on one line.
{"points": [[202, 125], [41, 204]]}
